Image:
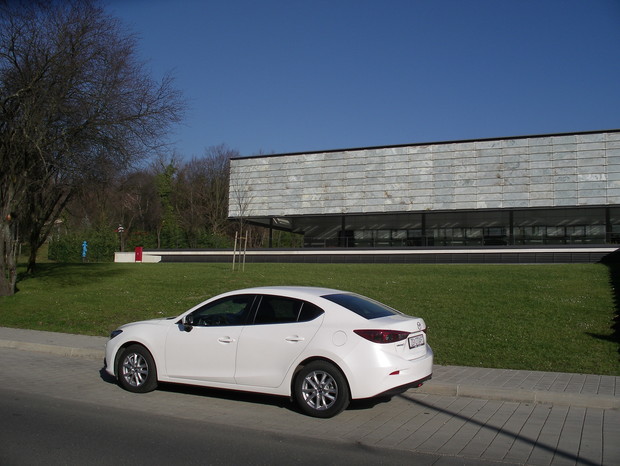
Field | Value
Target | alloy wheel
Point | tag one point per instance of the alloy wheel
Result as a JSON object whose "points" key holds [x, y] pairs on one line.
{"points": [[135, 369], [319, 390]]}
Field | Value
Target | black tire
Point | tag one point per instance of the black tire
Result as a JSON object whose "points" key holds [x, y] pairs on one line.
{"points": [[321, 390], [136, 371]]}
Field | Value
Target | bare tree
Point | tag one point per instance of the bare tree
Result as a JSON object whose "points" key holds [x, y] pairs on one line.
{"points": [[217, 159], [202, 193], [190, 199], [241, 197], [140, 206], [75, 104]]}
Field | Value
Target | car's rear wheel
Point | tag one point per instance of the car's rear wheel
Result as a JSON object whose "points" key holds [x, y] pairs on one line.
{"points": [[321, 390], [136, 370]]}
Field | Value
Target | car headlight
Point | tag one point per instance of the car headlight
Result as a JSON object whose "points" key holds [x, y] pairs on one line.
{"points": [[115, 333]]}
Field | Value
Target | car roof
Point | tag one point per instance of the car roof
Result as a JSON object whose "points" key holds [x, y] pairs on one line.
{"points": [[292, 291]]}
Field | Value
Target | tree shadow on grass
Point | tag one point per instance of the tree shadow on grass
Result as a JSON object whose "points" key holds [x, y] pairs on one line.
{"points": [[70, 274], [612, 261]]}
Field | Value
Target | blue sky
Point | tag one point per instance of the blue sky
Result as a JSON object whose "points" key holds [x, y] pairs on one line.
{"points": [[281, 76]]}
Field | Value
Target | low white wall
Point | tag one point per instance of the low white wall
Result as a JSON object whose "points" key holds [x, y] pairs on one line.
{"points": [[124, 257], [131, 257]]}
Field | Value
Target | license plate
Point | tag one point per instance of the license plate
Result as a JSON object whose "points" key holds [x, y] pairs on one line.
{"points": [[415, 341]]}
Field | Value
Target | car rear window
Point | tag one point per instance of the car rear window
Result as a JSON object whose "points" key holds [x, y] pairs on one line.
{"points": [[365, 307]]}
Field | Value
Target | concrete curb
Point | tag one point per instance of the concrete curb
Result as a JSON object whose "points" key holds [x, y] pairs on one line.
{"points": [[66, 351], [521, 396]]}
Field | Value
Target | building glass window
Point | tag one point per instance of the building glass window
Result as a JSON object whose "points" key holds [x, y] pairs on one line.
{"points": [[591, 225]]}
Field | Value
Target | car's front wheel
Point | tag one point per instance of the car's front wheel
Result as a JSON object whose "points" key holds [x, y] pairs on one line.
{"points": [[321, 390], [136, 370]]}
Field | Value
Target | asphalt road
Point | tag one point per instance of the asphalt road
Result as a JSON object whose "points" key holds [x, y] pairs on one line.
{"points": [[37, 429]]}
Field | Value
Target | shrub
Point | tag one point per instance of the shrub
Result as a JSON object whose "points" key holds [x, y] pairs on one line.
{"points": [[101, 245]]}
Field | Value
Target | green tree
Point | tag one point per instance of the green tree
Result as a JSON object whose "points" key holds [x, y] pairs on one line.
{"points": [[169, 231]]}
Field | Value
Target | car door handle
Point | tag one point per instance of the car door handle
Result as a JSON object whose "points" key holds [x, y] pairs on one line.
{"points": [[226, 340], [294, 338]]}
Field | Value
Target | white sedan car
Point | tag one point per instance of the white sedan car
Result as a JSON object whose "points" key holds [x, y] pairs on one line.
{"points": [[319, 346]]}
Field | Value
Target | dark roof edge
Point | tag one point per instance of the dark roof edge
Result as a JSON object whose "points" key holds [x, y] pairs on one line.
{"points": [[425, 144]]}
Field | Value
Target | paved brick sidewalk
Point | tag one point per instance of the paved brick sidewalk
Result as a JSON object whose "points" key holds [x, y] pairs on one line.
{"points": [[584, 390], [578, 390]]}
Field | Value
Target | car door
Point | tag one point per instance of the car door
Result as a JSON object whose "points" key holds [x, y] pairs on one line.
{"points": [[208, 350], [282, 329]]}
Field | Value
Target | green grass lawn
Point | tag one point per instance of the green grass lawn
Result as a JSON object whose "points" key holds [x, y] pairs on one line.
{"points": [[538, 317]]}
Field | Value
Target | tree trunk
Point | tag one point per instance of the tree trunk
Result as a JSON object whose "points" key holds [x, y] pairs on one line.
{"points": [[32, 259], [8, 251]]}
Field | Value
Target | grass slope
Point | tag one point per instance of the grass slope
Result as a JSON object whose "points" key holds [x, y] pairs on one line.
{"points": [[538, 317]]}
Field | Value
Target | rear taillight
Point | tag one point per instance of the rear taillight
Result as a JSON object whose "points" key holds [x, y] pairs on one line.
{"points": [[382, 336]]}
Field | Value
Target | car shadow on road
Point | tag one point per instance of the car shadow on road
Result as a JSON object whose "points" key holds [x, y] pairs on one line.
{"points": [[368, 403], [106, 377], [245, 397], [233, 395]]}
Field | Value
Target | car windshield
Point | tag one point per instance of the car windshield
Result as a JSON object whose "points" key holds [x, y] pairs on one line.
{"points": [[362, 306]]}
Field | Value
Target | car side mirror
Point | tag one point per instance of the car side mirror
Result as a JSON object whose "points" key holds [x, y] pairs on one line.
{"points": [[188, 323]]}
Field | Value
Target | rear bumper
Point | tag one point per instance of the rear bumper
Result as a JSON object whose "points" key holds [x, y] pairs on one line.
{"points": [[403, 388], [389, 374]]}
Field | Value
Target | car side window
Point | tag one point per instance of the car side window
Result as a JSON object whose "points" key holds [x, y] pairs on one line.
{"points": [[277, 310], [309, 312], [280, 310], [232, 310]]}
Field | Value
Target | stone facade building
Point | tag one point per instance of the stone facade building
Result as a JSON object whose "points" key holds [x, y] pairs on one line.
{"points": [[530, 190]]}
